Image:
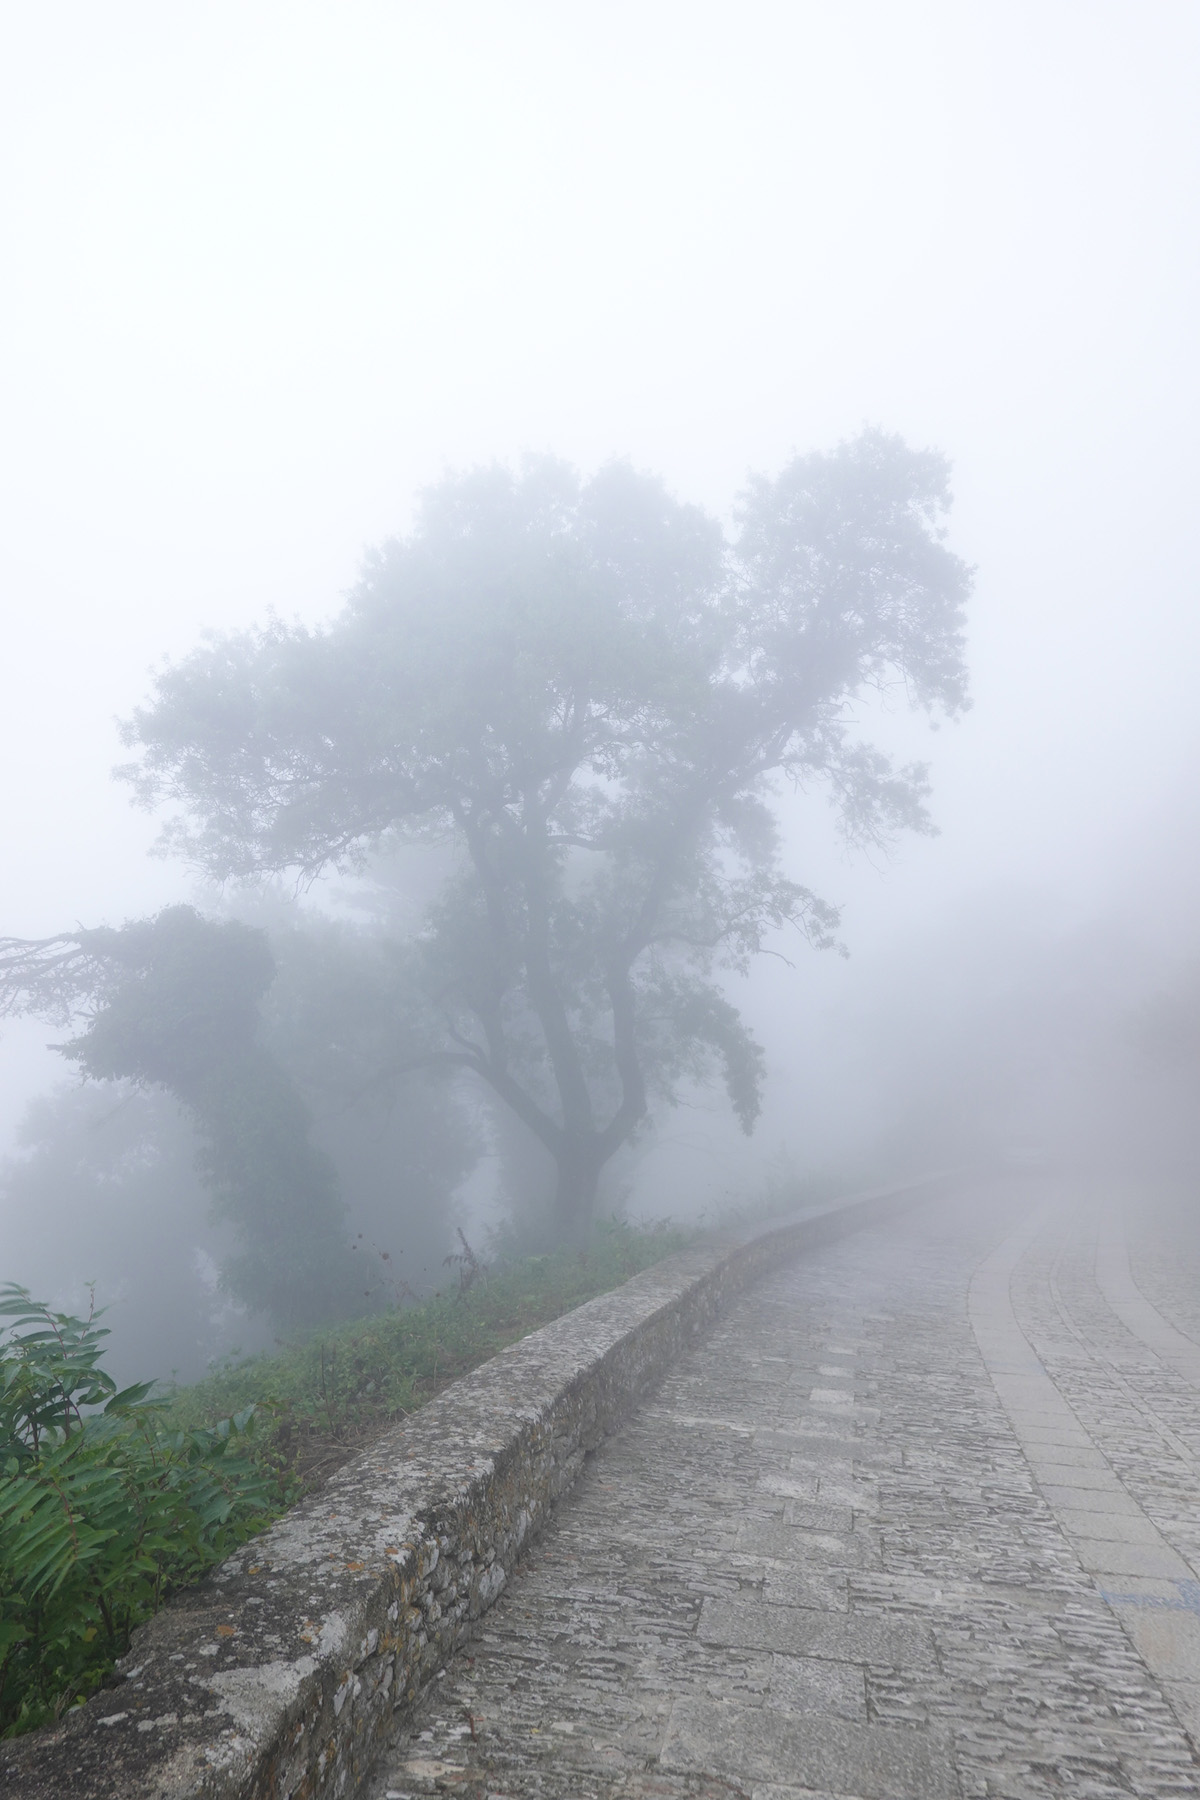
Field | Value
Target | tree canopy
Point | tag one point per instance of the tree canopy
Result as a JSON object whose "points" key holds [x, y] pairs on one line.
{"points": [[275, 1038], [173, 1002], [586, 693]]}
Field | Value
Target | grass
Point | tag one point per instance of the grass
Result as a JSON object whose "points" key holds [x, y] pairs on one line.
{"points": [[319, 1400]]}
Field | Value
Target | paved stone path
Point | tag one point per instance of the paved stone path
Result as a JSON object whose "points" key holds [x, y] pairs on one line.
{"points": [[921, 1518]]}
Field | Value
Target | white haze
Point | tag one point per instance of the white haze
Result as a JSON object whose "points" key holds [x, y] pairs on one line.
{"points": [[271, 269]]}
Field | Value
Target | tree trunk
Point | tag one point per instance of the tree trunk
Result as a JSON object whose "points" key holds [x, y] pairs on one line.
{"points": [[575, 1192]]}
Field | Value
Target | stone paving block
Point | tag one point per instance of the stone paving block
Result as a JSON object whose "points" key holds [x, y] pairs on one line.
{"points": [[805, 1442], [1141, 1587], [813, 1516], [734, 1428], [1098, 1477], [1034, 1395], [837, 1411], [856, 1497], [1169, 1639], [1072, 1456], [789, 1487], [875, 1762], [1110, 1498], [806, 1683], [1103, 1558], [823, 1588], [775, 1372], [1112, 1527], [1066, 1434], [828, 1428], [797, 1631], [823, 1455], [1185, 1698], [789, 1544]]}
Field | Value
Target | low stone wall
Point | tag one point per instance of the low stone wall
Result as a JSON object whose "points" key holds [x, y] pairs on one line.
{"points": [[280, 1676]]}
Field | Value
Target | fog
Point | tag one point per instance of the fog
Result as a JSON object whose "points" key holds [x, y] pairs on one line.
{"points": [[270, 271]]}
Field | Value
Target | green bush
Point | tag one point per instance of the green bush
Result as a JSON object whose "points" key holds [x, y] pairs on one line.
{"points": [[108, 1500], [102, 1508]]}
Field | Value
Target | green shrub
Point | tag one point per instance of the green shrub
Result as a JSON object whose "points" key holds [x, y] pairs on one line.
{"points": [[102, 1508], [108, 1500]]}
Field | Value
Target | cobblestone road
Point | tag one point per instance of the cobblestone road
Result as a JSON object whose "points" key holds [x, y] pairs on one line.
{"points": [[921, 1518]]}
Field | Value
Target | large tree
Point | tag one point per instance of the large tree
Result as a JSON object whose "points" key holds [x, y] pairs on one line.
{"points": [[587, 695]]}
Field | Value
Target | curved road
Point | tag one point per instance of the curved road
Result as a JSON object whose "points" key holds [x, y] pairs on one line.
{"points": [[921, 1518]]}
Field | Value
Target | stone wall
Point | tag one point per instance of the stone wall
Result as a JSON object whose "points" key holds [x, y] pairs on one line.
{"points": [[280, 1676]]}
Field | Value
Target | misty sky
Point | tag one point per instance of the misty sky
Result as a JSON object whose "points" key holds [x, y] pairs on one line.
{"points": [[269, 269]]}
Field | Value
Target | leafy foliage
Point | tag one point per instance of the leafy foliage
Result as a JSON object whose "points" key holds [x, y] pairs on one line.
{"points": [[174, 1001], [103, 1508], [590, 695], [296, 1103]]}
